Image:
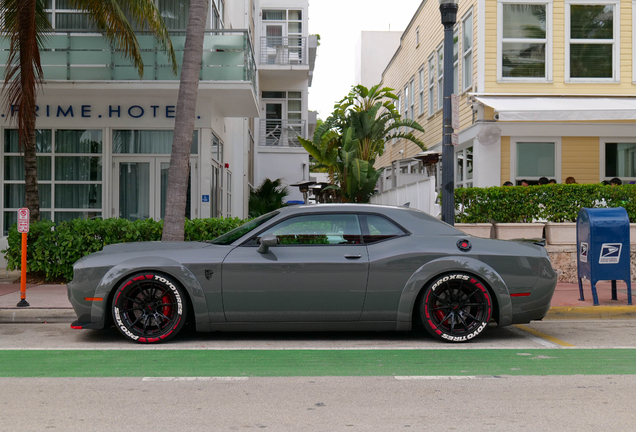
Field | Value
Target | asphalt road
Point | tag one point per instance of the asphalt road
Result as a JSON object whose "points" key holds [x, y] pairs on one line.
{"points": [[551, 375]]}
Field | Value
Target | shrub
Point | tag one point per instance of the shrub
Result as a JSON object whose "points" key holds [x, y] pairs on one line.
{"points": [[551, 203], [52, 249]]}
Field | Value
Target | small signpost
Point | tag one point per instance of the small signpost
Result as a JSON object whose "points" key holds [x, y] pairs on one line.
{"points": [[23, 227], [454, 139], [455, 111]]}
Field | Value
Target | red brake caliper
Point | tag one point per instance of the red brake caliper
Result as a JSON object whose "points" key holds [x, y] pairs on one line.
{"points": [[167, 310]]}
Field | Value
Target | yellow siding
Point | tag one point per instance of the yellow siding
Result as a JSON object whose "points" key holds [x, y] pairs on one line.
{"points": [[580, 159], [505, 159], [558, 84], [406, 64]]}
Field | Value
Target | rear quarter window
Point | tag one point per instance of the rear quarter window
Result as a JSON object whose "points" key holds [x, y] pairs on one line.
{"points": [[377, 228]]}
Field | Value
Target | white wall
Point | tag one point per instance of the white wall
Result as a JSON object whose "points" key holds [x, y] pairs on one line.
{"points": [[286, 165], [373, 52]]}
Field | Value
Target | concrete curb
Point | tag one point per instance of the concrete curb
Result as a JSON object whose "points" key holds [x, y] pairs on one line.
{"points": [[37, 316], [591, 312]]}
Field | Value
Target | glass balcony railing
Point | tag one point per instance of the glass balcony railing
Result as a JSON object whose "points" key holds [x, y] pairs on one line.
{"points": [[228, 55]]}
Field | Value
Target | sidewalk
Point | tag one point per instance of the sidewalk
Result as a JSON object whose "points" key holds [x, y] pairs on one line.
{"points": [[49, 303]]}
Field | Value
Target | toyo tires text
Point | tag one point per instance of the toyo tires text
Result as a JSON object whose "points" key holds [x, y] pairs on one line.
{"points": [[456, 307], [149, 308]]}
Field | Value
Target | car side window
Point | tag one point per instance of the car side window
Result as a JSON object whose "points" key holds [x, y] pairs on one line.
{"points": [[318, 229], [377, 228]]}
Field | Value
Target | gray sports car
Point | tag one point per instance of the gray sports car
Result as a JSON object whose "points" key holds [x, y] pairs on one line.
{"points": [[316, 267]]}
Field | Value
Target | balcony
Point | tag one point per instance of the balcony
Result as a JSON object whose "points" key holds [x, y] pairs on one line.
{"points": [[228, 67], [278, 50], [281, 133], [291, 57]]}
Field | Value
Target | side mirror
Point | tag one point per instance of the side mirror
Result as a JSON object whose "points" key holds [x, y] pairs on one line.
{"points": [[267, 241]]}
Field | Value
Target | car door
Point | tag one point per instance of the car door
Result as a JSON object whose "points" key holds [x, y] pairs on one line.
{"points": [[318, 272]]}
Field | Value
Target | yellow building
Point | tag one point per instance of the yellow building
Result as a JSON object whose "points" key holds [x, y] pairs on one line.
{"points": [[547, 89]]}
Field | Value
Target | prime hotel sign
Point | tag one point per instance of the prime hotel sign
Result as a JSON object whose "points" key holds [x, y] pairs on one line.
{"points": [[110, 111]]}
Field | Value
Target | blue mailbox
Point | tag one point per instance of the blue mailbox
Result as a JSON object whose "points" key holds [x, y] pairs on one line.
{"points": [[602, 237]]}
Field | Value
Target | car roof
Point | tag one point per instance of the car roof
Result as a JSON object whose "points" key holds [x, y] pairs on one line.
{"points": [[416, 221]]}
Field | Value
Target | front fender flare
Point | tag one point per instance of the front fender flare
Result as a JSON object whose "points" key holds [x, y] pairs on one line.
{"points": [[164, 265], [425, 274]]}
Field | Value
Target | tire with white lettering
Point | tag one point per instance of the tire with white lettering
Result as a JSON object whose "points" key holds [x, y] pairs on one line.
{"points": [[456, 307], [149, 308]]}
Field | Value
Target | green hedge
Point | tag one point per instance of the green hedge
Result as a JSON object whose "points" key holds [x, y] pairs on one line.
{"points": [[52, 249], [552, 203]]}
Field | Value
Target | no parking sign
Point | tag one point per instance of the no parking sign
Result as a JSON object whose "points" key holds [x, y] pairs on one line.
{"points": [[23, 220]]}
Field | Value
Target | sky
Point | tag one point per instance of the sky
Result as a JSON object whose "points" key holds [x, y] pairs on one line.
{"points": [[339, 23]]}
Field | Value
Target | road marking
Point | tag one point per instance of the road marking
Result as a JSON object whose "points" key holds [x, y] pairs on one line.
{"points": [[170, 379], [543, 336], [436, 377]]}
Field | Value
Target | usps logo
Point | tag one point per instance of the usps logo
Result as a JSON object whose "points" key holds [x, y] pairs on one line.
{"points": [[610, 253], [583, 256]]}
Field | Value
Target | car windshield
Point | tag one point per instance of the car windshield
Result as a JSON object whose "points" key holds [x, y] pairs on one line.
{"points": [[231, 236]]}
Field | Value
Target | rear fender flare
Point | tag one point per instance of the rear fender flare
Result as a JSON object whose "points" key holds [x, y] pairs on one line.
{"points": [[425, 274], [172, 268]]}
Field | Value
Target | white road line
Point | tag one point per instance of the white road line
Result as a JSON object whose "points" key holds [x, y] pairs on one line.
{"points": [[193, 379], [532, 337], [436, 377]]}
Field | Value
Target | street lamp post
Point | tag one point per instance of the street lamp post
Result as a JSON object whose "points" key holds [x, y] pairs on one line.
{"points": [[448, 9]]}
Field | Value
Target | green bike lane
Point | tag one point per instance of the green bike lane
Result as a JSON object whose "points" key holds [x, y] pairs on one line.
{"points": [[316, 362]]}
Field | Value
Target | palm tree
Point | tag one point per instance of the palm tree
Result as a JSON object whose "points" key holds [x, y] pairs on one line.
{"points": [[174, 219], [267, 197], [354, 135], [25, 24]]}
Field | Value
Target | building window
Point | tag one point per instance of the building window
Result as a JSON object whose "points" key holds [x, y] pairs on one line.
{"points": [[217, 149], [228, 190], [524, 41], [620, 161], [592, 42], [440, 77], [535, 160], [407, 103], [69, 175], [412, 92], [417, 36], [456, 60], [218, 11], [399, 109], [421, 94], [431, 86], [464, 167], [467, 55]]}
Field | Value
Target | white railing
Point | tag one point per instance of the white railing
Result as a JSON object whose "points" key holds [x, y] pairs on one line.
{"points": [[281, 133], [419, 195], [279, 50]]}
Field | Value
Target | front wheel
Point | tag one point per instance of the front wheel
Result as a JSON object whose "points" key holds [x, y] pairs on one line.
{"points": [[149, 308], [456, 308]]}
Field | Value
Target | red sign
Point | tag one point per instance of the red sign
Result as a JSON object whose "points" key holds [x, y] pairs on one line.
{"points": [[23, 220], [455, 111]]}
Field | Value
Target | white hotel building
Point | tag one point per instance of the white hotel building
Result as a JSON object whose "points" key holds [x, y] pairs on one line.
{"points": [[104, 136]]}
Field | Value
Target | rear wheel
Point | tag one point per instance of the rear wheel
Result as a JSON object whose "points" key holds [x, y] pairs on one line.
{"points": [[149, 308], [456, 308]]}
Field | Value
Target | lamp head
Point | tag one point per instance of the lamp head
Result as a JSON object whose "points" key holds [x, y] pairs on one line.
{"points": [[448, 8]]}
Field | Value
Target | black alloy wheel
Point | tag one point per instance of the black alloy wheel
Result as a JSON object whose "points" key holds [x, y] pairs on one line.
{"points": [[149, 308], [456, 308]]}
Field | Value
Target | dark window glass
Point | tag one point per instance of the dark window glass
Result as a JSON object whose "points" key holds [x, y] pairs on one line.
{"points": [[318, 229], [239, 232], [377, 228]]}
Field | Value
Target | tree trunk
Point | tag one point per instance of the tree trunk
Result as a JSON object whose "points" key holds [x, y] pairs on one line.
{"points": [[174, 220], [32, 196]]}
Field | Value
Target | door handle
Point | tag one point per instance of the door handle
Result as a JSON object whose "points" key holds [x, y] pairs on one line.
{"points": [[352, 256]]}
